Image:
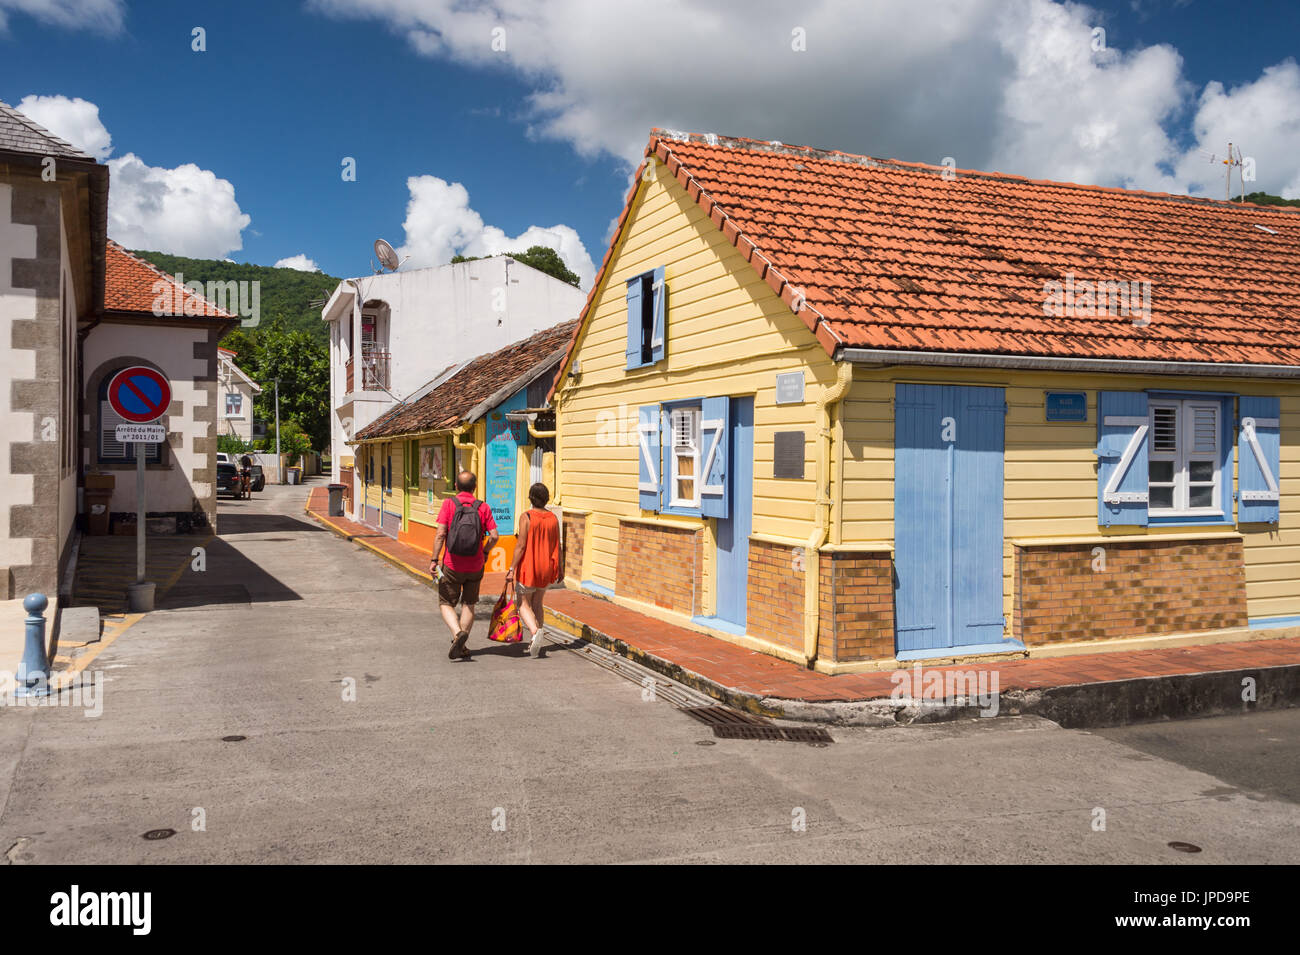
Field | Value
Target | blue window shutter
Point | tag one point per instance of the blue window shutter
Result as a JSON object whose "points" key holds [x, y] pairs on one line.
{"points": [[1123, 426], [715, 500], [647, 451], [660, 314], [634, 322], [1259, 472], [665, 459]]}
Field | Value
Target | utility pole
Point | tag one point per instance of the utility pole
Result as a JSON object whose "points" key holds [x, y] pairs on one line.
{"points": [[279, 469]]}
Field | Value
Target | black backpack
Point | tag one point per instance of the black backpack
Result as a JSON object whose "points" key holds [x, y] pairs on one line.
{"points": [[465, 535]]}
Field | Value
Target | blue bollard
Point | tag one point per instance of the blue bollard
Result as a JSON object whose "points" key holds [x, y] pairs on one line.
{"points": [[34, 672]]}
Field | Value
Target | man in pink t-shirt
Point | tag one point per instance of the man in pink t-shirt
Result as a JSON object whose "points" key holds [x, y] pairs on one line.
{"points": [[463, 544]]}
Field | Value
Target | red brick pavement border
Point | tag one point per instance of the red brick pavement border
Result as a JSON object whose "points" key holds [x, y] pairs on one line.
{"points": [[758, 674], [413, 560]]}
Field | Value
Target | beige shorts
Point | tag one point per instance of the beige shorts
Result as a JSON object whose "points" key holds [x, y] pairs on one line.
{"points": [[522, 591]]}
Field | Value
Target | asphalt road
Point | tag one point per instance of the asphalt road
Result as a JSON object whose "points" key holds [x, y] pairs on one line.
{"points": [[505, 758]]}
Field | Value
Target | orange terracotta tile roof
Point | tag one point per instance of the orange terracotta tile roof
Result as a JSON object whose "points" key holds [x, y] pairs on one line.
{"points": [[130, 286], [909, 257], [453, 402]]}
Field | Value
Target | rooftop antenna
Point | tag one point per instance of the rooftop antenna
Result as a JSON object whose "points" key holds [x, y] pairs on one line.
{"points": [[1234, 159], [387, 256]]}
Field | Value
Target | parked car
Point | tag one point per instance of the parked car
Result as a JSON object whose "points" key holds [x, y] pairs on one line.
{"points": [[225, 458], [259, 479], [228, 479]]}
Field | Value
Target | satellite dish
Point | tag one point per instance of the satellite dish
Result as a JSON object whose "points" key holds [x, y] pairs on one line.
{"points": [[387, 255]]}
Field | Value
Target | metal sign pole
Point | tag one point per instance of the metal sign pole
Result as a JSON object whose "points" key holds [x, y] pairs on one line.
{"points": [[141, 450]]}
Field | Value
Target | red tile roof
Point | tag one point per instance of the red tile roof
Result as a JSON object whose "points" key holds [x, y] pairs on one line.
{"points": [[909, 257], [130, 285], [449, 405]]}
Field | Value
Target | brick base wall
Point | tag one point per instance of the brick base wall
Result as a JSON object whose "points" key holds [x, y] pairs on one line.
{"points": [[574, 536], [857, 606], [774, 602], [660, 565], [1147, 587]]}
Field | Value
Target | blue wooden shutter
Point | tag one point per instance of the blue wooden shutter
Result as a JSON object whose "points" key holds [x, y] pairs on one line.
{"points": [[665, 459], [715, 429], [647, 452], [1123, 426], [660, 312], [1259, 473], [634, 322]]}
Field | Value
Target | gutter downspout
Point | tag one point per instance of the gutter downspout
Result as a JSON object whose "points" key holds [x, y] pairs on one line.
{"points": [[822, 520]]}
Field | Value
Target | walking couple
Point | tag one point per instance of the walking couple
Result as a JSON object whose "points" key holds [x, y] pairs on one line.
{"points": [[466, 535]]}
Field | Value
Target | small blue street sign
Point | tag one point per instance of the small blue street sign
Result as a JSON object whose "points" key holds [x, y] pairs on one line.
{"points": [[1067, 406]]}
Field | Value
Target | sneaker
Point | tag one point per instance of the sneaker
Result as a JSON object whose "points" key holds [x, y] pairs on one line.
{"points": [[458, 650], [535, 647]]}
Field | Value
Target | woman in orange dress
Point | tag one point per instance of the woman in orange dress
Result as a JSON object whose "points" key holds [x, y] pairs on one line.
{"points": [[537, 562]]}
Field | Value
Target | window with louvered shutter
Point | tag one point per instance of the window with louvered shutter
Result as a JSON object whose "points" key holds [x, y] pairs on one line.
{"points": [[1184, 465]]}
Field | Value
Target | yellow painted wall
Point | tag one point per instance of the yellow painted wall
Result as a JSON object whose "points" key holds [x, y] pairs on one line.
{"points": [[1050, 470], [727, 333], [421, 511]]}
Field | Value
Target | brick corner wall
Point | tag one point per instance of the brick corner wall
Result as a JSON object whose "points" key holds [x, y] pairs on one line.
{"points": [[574, 533], [661, 565], [1146, 588], [857, 596], [774, 600]]}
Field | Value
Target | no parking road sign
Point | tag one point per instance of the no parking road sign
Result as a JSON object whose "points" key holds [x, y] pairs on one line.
{"points": [[139, 394]]}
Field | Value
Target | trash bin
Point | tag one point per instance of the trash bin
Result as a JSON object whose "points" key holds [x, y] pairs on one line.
{"points": [[336, 499], [295, 474], [98, 500]]}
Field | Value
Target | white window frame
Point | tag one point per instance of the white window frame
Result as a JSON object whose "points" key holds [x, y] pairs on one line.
{"points": [[694, 453], [240, 413], [1183, 456]]}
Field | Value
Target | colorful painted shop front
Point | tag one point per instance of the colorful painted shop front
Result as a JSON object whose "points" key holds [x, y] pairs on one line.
{"points": [[487, 416], [852, 413]]}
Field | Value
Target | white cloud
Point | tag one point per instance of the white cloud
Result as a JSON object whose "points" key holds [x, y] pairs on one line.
{"points": [[440, 224], [1013, 85], [185, 211], [1262, 120], [75, 120], [299, 262], [104, 16]]}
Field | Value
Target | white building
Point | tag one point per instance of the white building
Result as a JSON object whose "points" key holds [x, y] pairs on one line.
{"points": [[396, 335], [235, 391]]}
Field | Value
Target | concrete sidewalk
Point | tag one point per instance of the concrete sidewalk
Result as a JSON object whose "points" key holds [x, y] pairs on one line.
{"points": [[1084, 690], [1113, 688]]}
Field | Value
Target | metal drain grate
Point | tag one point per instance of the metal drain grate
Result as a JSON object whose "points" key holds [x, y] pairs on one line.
{"points": [[731, 724], [786, 734], [722, 716]]}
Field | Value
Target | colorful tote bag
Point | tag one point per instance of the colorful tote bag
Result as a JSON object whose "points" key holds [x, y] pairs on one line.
{"points": [[505, 626]]}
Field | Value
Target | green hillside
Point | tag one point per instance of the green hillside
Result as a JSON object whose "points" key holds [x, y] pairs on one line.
{"points": [[286, 294]]}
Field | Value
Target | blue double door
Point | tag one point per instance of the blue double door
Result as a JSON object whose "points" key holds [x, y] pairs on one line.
{"points": [[948, 494]]}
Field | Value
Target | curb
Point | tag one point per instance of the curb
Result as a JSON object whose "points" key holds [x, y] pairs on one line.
{"points": [[1073, 706]]}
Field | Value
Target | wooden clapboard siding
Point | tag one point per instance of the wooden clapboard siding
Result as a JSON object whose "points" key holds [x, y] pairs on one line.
{"points": [[727, 333], [1051, 480]]}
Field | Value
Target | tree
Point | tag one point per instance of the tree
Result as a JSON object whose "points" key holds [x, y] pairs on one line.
{"points": [[1265, 199], [304, 373], [541, 257]]}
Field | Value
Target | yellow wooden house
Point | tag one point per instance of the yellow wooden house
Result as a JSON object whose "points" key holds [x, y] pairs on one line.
{"points": [[854, 413]]}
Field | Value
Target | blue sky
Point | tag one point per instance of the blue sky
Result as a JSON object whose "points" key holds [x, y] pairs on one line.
{"points": [[542, 134]]}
